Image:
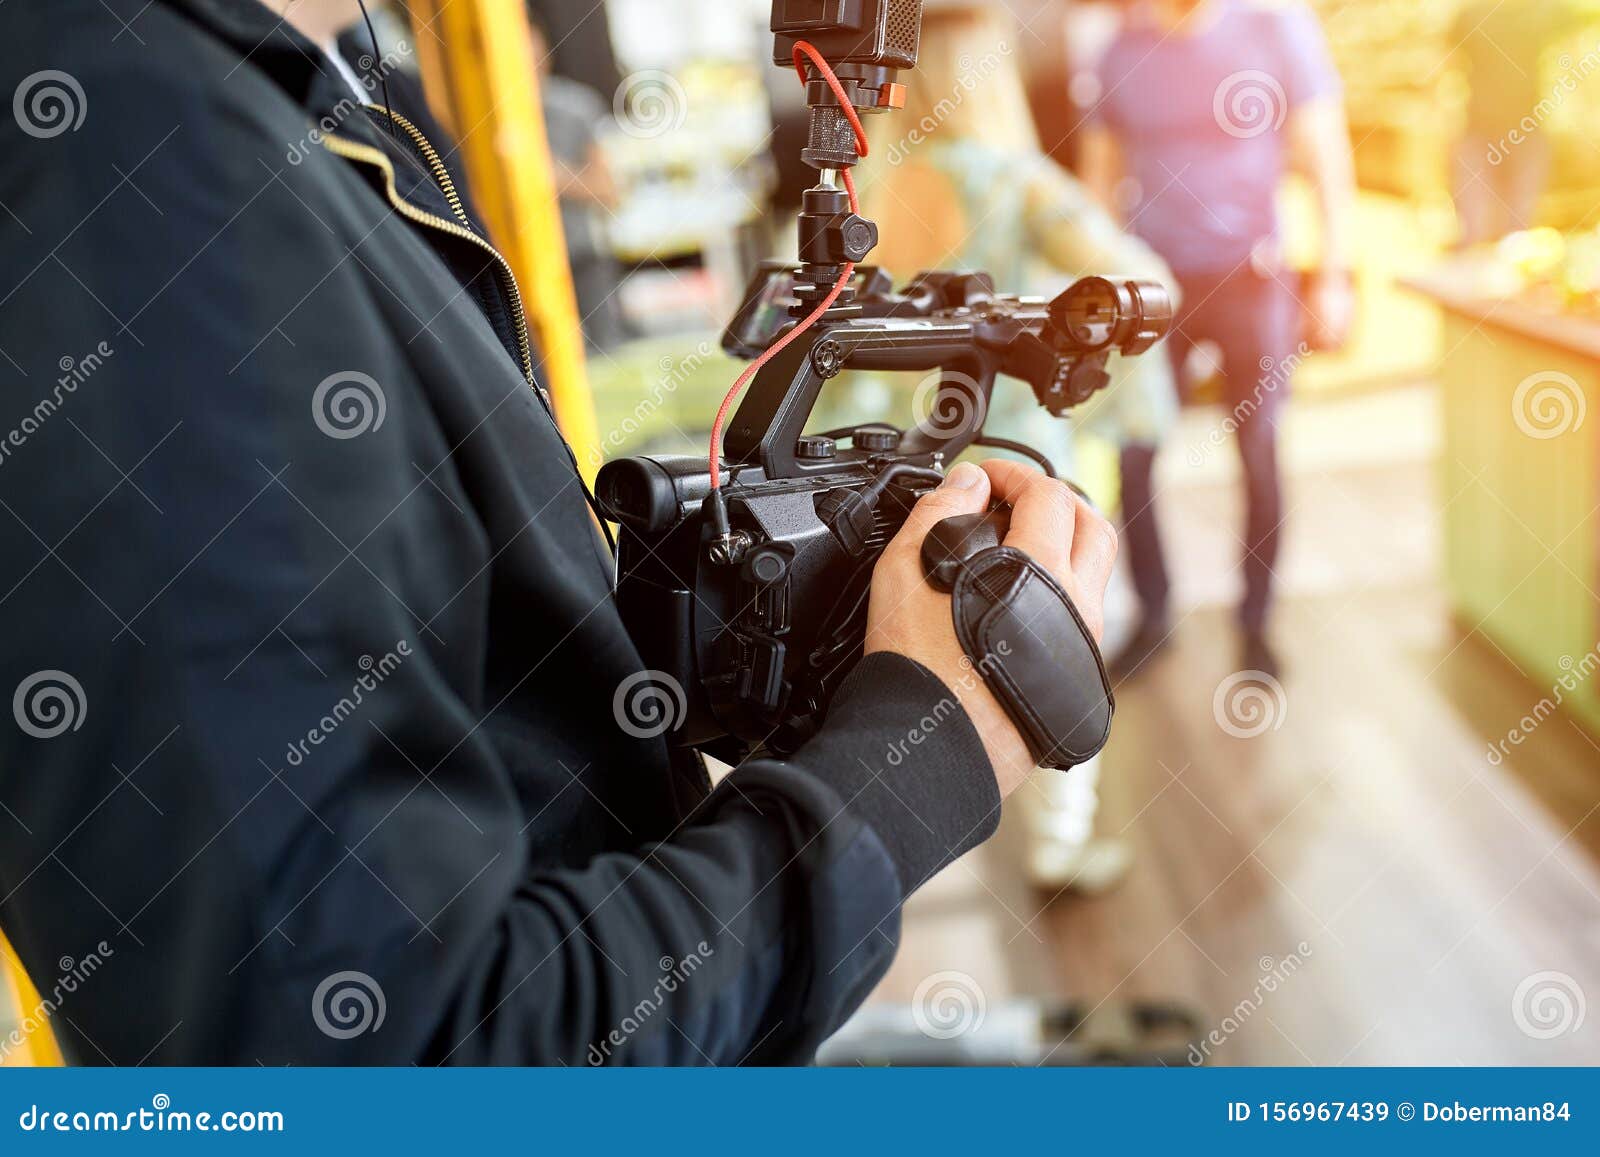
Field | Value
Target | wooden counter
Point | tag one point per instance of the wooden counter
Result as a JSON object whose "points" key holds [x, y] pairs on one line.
{"points": [[1521, 483]]}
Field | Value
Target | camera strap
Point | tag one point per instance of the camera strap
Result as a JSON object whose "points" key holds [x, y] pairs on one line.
{"points": [[1033, 649]]}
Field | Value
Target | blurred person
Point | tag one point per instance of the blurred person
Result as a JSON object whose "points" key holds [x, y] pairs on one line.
{"points": [[967, 186], [343, 614], [576, 119], [1203, 107], [1503, 159]]}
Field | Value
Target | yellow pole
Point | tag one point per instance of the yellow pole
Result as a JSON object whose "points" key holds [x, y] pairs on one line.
{"points": [[18, 1006], [481, 77]]}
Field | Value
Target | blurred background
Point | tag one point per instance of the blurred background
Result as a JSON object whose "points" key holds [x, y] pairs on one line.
{"points": [[1360, 830]]}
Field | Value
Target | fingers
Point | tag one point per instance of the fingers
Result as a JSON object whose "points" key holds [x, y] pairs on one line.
{"points": [[1049, 522], [1094, 548], [1044, 513], [1053, 524], [965, 491]]}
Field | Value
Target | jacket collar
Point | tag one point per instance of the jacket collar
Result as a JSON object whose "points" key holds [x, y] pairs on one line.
{"points": [[248, 25], [301, 69], [266, 40]]}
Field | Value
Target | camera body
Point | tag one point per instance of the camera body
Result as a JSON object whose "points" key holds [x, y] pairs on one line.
{"points": [[758, 623]]}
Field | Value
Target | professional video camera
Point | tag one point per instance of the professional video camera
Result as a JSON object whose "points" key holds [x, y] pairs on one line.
{"points": [[744, 576]]}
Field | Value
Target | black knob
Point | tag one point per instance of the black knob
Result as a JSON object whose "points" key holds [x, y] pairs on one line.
{"points": [[766, 567], [816, 449], [860, 238], [876, 440]]}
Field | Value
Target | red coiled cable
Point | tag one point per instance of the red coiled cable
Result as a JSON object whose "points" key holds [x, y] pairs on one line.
{"points": [[802, 51]]}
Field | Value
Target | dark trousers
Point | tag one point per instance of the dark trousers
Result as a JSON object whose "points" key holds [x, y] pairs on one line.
{"points": [[1253, 321]]}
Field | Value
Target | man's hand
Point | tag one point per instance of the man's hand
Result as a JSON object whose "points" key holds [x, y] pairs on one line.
{"points": [[1050, 523]]}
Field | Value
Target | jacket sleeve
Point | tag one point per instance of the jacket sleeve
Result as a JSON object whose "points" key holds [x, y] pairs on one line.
{"points": [[248, 770]]}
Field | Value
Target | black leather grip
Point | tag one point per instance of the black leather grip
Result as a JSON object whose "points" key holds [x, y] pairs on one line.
{"points": [[1027, 639]]}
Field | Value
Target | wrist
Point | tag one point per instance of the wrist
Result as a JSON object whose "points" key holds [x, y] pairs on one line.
{"points": [[1008, 752], [905, 756]]}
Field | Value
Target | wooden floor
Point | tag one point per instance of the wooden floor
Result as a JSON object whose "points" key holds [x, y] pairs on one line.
{"points": [[1420, 890]]}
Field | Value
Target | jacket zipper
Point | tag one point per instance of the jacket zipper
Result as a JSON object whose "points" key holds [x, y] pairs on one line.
{"points": [[441, 174], [366, 154]]}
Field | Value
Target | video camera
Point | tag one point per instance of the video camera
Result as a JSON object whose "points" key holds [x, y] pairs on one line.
{"points": [[747, 586]]}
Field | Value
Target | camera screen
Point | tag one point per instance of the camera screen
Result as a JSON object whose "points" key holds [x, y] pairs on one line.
{"points": [[765, 314]]}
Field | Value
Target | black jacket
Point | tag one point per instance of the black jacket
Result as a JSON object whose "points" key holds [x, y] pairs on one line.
{"points": [[309, 637]]}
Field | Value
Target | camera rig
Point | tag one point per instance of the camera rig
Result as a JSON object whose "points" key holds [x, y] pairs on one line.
{"points": [[744, 576]]}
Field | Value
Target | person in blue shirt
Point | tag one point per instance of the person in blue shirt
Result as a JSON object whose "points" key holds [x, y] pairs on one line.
{"points": [[1203, 107]]}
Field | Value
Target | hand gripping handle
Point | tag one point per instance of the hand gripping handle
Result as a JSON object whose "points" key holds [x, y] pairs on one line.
{"points": [[1025, 637]]}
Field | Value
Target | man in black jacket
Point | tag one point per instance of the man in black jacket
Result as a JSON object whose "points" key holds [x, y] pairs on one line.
{"points": [[321, 741]]}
